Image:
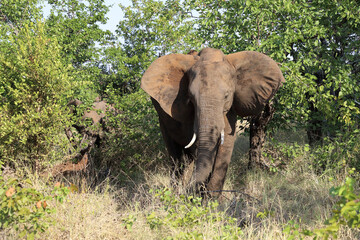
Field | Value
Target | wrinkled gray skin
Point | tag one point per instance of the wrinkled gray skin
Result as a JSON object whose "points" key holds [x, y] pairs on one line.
{"points": [[203, 94]]}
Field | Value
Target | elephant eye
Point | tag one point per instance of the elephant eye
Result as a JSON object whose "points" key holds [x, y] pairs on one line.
{"points": [[226, 95]]}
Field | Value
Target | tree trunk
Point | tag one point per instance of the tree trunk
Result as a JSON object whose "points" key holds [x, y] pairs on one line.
{"points": [[257, 136], [315, 129]]}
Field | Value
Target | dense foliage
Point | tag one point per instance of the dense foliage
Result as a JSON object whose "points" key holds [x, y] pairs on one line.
{"points": [[33, 85], [26, 210], [317, 44]]}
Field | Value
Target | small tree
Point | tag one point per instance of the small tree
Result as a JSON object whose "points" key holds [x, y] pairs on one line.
{"points": [[77, 26], [316, 44], [33, 85], [13, 14], [152, 28]]}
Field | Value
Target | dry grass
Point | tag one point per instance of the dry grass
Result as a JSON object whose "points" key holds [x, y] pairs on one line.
{"points": [[280, 197], [87, 216], [263, 204]]}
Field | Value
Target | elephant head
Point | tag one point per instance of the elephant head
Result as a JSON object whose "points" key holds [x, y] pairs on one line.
{"points": [[92, 125], [205, 92]]}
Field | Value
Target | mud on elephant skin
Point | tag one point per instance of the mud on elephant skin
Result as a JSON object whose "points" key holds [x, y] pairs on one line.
{"points": [[198, 97]]}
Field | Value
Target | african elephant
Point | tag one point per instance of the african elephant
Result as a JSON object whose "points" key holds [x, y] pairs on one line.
{"points": [[85, 134], [92, 125], [198, 97]]}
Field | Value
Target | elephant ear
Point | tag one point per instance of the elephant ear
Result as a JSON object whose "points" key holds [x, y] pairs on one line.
{"points": [[167, 82], [257, 78]]}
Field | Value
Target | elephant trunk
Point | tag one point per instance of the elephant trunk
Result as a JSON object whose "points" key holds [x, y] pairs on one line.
{"points": [[207, 146], [210, 135]]}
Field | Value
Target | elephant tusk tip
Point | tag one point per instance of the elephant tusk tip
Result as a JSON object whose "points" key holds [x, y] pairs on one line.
{"points": [[191, 142], [222, 137]]}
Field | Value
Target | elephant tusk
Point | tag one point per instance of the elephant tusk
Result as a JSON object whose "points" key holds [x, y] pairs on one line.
{"points": [[222, 137], [191, 142]]}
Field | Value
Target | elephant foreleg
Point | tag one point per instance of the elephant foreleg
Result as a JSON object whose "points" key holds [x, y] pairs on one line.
{"points": [[174, 150], [223, 156]]}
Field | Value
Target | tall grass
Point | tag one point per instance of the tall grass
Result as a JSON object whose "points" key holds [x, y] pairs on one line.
{"points": [[260, 205]]}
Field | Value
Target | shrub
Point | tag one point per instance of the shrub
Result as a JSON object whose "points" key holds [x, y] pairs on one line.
{"points": [[338, 153], [135, 136], [335, 155], [189, 216], [33, 86], [346, 212], [24, 209]]}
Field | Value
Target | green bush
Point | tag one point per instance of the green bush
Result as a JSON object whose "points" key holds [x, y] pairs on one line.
{"points": [[34, 83], [338, 153], [334, 155], [346, 212], [189, 215], [134, 135], [24, 209], [279, 154]]}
